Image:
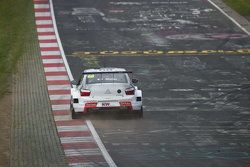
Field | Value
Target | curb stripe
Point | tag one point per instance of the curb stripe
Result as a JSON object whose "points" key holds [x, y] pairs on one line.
{"points": [[49, 49], [76, 139], [60, 107], [58, 82], [48, 41], [78, 143], [38, 1], [58, 87], [71, 128], [37, 14], [46, 33], [61, 112], [51, 57], [41, 6], [44, 26], [56, 73], [60, 97], [46, 37], [59, 92], [45, 53], [42, 22], [53, 65], [45, 30], [74, 134], [81, 152], [49, 61], [70, 123], [48, 45], [77, 159], [54, 69], [41, 2], [60, 102], [62, 117], [57, 78], [43, 18], [41, 10]]}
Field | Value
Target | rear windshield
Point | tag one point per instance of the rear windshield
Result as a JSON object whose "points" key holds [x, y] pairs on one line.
{"points": [[106, 78]]}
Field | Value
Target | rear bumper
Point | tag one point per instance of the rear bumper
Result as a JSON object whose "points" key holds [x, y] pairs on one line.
{"points": [[88, 107]]}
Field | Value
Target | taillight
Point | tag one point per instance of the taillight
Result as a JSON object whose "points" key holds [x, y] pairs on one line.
{"points": [[130, 91], [85, 92], [125, 103], [90, 104]]}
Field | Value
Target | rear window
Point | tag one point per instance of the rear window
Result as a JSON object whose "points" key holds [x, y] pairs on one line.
{"points": [[106, 78]]}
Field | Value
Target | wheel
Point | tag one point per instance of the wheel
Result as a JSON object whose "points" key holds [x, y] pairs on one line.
{"points": [[73, 113], [139, 113]]}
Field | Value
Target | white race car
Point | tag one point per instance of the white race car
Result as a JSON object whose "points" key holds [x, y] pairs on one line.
{"points": [[105, 89]]}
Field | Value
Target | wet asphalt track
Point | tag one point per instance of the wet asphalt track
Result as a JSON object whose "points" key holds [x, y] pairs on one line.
{"points": [[196, 108]]}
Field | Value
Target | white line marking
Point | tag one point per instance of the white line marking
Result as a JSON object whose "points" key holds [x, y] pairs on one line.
{"points": [[88, 164], [59, 87], [45, 30], [59, 42], [52, 61], [59, 97], [41, 6], [60, 107], [48, 37], [54, 69], [39, 14], [42, 22], [233, 20], [100, 144], [44, 53], [80, 152], [57, 78], [76, 139]]}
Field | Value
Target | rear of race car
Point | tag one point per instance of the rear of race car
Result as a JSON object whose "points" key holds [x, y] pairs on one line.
{"points": [[107, 98], [106, 95]]}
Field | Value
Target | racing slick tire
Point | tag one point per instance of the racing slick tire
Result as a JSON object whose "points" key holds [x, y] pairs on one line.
{"points": [[139, 113], [73, 113]]}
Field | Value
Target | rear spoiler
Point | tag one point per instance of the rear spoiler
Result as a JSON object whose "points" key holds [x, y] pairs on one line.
{"points": [[107, 72]]}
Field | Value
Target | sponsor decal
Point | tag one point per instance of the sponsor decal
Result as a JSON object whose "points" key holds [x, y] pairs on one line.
{"points": [[105, 104]]}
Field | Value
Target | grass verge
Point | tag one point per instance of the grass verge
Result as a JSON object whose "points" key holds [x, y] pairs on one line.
{"points": [[241, 6], [15, 23]]}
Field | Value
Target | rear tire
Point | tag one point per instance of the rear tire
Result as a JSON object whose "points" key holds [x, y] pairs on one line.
{"points": [[139, 113], [73, 113]]}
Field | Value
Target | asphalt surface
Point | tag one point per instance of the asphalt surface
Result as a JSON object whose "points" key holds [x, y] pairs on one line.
{"points": [[196, 108], [97, 25]]}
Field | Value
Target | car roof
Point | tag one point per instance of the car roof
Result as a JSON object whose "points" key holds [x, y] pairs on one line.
{"points": [[107, 69]]}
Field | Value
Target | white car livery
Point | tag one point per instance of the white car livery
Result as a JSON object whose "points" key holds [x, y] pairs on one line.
{"points": [[105, 89]]}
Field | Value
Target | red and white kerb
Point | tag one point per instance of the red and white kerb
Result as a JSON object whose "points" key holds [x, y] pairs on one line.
{"points": [[77, 141]]}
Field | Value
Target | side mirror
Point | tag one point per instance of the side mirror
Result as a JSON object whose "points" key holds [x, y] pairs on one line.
{"points": [[134, 80], [74, 83]]}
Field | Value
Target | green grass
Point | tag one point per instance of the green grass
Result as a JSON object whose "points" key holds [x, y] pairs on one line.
{"points": [[241, 6], [15, 23]]}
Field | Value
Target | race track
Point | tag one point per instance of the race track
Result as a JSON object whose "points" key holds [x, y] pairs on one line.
{"points": [[196, 106]]}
